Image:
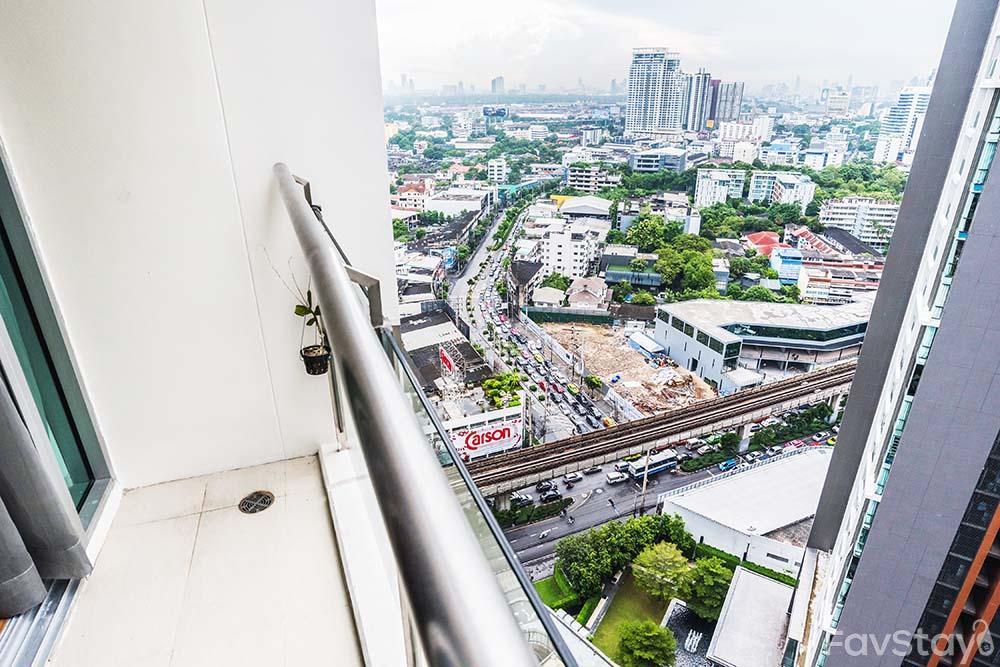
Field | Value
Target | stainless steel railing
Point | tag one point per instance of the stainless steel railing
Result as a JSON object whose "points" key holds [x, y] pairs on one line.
{"points": [[455, 602]]}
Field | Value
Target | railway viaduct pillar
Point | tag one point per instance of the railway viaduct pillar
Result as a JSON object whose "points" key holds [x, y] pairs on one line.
{"points": [[834, 402], [501, 501], [745, 437]]}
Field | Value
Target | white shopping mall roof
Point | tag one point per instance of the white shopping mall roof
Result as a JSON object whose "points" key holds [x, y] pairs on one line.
{"points": [[751, 627], [766, 498]]}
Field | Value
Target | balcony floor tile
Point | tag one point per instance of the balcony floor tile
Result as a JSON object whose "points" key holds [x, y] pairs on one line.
{"points": [[212, 586]]}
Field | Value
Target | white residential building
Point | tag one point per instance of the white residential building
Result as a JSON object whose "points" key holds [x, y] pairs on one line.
{"points": [[870, 220], [903, 123], [745, 151], [716, 186], [571, 249], [655, 92], [734, 131], [538, 132], [697, 100], [590, 178], [763, 127], [780, 153], [781, 187], [497, 170]]}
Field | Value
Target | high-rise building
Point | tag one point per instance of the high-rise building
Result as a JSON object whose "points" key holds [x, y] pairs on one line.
{"points": [[697, 100], [904, 542], [655, 92], [497, 86], [730, 101], [900, 130], [713, 101]]}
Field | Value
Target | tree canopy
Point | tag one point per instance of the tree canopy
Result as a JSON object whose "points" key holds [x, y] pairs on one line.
{"points": [[646, 644]]}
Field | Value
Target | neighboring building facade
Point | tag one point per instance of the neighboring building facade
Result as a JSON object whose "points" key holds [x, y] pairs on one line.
{"points": [[716, 186], [730, 100], [870, 220], [655, 92], [697, 100], [911, 497]]}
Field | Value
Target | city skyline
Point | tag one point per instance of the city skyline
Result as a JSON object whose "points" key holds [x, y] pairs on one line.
{"points": [[558, 44]]}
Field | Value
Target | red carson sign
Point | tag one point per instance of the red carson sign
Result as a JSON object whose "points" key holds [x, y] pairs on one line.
{"points": [[488, 439]]}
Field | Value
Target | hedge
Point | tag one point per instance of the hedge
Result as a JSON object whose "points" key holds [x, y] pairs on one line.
{"points": [[710, 459], [732, 562], [556, 593], [588, 609], [522, 515]]}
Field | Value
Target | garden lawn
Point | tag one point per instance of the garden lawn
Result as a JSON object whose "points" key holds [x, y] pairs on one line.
{"points": [[556, 593], [629, 604]]}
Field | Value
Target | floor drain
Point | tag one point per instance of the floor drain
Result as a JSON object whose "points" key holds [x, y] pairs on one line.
{"points": [[258, 501]]}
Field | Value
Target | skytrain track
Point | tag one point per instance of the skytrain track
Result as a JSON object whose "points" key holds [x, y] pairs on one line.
{"points": [[540, 459]]}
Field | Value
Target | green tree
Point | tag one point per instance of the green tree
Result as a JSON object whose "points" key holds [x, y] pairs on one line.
{"points": [[646, 233], [643, 298], [669, 265], [646, 644], [399, 231], [621, 291], [637, 265], [782, 214], [698, 273], [462, 253], [686, 242], [671, 528], [593, 381], [662, 571], [758, 293], [730, 440], [556, 280], [708, 584], [615, 236]]}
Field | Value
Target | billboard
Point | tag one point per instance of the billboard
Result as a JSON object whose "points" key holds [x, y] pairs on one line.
{"points": [[495, 112], [446, 361], [474, 442]]}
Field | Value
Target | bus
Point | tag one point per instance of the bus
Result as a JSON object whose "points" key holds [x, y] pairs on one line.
{"points": [[658, 462]]}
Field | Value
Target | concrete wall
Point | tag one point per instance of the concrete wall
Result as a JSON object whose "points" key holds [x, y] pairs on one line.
{"points": [[141, 136]]}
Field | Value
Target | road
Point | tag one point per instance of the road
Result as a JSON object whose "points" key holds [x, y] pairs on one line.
{"points": [[591, 508]]}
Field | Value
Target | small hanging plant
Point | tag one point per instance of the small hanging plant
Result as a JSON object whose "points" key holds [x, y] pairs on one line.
{"points": [[316, 357]]}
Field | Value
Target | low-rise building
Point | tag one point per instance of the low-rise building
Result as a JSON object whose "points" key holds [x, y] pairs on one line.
{"points": [[781, 187], [710, 337], [868, 219], [788, 263], [497, 170], [716, 186], [720, 267], [779, 153], [456, 201], [547, 170], [659, 159], [585, 207], [572, 249], [590, 178], [548, 296], [588, 293]]}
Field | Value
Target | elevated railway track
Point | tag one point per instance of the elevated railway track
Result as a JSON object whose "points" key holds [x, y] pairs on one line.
{"points": [[518, 468]]}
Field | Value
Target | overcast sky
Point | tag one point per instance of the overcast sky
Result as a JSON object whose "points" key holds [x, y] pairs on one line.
{"points": [[555, 42]]}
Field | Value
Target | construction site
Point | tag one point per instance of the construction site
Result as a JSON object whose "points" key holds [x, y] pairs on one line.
{"points": [[651, 385]]}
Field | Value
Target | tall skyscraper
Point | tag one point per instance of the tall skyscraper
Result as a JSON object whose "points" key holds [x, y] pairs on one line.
{"points": [[713, 101], [697, 100], [497, 86], [655, 92], [905, 539], [901, 128], [730, 101]]}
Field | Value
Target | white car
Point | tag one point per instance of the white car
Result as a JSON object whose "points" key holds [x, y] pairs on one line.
{"points": [[705, 449], [616, 477]]}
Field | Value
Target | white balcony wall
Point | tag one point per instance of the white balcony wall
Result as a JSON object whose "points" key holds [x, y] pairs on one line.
{"points": [[141, 136]]}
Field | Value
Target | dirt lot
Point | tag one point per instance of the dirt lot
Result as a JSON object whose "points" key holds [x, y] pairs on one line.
{"points": [[606, 353]]}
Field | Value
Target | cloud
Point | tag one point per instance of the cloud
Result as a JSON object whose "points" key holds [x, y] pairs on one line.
{"points": [[555, 42]]}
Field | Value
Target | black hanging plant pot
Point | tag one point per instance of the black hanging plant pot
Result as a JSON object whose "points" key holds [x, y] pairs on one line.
{"points": [[316, 359]]}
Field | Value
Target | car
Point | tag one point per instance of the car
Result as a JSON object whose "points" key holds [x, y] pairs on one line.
{"points": [[789, 448], [554, 397], [524, 354], [539, 358], [561, 377], [573, 389], [580, 410], [558, 387], [518, 500], [821, 436], [728, 464], [541, 384], [535, 345], [573, 477], [545, 485], [774, 450], [755, 427], [832, 441], [565, 409], [592, 470], [753, 456], [550, 495], [608, 421], [616, 477], [684, 456], [621, 466], [705, 449], [593, 422]]}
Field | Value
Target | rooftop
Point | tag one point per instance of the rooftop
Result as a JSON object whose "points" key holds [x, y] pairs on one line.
{"points": [[710, 315], [772, 496], [751, 627]]}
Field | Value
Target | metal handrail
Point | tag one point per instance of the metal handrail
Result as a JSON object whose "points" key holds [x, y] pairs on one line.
{"points": [[456, 602]]}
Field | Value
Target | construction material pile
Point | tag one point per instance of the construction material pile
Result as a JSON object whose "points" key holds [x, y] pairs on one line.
{"points": [[651, 385]]}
